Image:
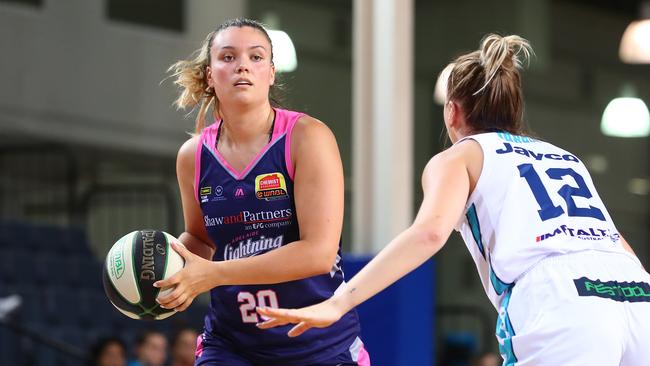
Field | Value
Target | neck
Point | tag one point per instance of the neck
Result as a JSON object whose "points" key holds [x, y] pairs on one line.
{"points": [[241, 126], [459, 134]]}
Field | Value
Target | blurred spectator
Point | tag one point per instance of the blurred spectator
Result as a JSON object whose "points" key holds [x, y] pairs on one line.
{"points": [[150, 349], [109, 351], [184, 347], [487, 359]]}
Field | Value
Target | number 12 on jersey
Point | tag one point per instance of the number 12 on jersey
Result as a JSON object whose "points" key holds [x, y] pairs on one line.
{"points": [[547, 209]]}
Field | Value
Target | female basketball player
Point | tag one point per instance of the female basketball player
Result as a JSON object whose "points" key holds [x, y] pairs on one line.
{"points": [[568, 288], [262, 194]]}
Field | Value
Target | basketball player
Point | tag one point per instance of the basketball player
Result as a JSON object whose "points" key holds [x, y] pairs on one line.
{"points": [[262, 194], [568, 288]]}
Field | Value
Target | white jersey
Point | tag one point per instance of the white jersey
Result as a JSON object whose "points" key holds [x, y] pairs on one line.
{"points": [[532, 200]]}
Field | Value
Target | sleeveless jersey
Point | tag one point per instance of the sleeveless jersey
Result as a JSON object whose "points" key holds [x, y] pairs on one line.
{"points": [[249, 213], [532, 200]]}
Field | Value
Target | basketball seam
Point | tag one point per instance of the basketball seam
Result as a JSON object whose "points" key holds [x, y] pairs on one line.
{"points": [[137, 283], [164, 272]]}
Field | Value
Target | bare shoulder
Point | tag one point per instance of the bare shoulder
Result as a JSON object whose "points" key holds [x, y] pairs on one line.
{"points": [[189, 146], [466, 153], [457, 151], [310, 130], [466, 147], [186, 154]]}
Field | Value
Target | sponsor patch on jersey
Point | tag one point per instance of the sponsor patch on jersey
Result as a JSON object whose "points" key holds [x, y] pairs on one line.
{"points": [[614, 290], [270, 187], [205, 194], [585, 233], [205, 191], [506, 136], [239, 192]]}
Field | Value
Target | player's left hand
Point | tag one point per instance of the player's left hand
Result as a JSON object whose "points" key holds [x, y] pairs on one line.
{"points": [[321, 315], [187, 283]]}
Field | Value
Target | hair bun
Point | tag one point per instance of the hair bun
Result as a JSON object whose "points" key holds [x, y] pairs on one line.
{"points": [[498, 52]]}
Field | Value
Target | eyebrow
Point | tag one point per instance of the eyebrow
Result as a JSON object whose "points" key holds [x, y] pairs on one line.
{"points": [[250, 48]]}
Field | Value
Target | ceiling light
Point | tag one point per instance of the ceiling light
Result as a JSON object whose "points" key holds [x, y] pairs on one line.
{"points": [[626, 116], [635, 44], [440, 92], [284, 53]]}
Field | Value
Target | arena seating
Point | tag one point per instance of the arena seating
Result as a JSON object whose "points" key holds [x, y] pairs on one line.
{"points": [[59, 279]]}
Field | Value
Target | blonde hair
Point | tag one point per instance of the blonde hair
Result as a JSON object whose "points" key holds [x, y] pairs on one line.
{"points": [[487, 84], [190, 75]]}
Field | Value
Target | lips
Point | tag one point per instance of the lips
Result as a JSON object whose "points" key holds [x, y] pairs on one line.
{"points": [[242, 82]]}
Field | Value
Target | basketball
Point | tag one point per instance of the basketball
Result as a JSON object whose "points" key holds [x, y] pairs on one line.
{"points": [[132, 265]]}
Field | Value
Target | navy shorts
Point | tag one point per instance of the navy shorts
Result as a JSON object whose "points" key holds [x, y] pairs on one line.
{"points": [[214, 351]]}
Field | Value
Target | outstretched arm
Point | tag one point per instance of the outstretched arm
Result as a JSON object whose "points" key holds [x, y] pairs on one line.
{"points": [[446, 187]]}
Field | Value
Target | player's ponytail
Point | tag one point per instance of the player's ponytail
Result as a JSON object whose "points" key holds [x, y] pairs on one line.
{"points": [[487, 84], [190, 76]]}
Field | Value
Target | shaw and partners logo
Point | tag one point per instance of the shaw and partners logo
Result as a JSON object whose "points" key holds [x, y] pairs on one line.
{"points": [[583, 233], [248, 217], [271, 187], [250, 247]]}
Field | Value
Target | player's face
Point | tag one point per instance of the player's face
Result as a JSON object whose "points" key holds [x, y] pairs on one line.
{"points": [[241, 69]]}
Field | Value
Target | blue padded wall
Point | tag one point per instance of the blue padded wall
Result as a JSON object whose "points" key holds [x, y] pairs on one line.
{"points": [[397, 325]]}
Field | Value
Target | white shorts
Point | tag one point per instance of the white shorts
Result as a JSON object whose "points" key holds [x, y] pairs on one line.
{"points": [[585, 308]]}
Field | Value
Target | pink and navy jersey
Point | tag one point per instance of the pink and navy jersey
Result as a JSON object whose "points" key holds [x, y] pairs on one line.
{"points": [[249, 213]]}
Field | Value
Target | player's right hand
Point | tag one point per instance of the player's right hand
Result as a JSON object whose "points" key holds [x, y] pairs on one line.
{"points": [[193, 279], [321, 315]]}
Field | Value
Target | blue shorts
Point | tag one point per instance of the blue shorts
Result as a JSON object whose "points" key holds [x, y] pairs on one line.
{"points": [[215, 351]]}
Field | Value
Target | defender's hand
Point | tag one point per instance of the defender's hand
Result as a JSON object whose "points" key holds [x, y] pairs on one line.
{"points": [[320, 315]]}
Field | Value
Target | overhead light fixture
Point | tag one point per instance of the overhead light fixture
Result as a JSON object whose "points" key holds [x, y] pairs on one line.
{"points": [[440, 92], [626, 116], [284, 53], [635, 44]]}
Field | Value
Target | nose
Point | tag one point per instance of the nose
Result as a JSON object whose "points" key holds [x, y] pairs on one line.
{"points": [[243, 66]]}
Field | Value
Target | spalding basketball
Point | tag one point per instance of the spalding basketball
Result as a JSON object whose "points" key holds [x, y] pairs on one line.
{"points": [[133, 264]]}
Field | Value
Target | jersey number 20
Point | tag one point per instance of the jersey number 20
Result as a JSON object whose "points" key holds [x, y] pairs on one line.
{"points": [[249, 302], [547, 209]]}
